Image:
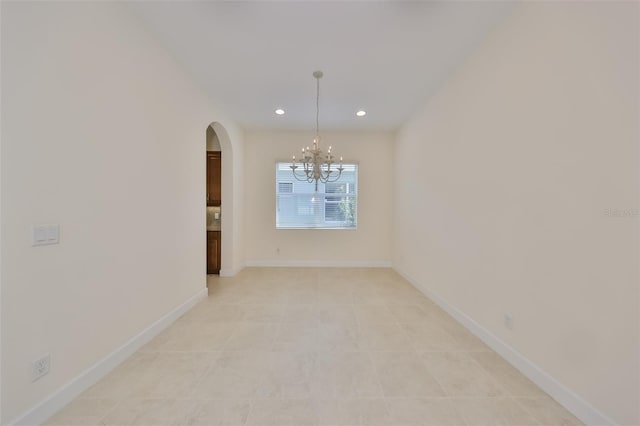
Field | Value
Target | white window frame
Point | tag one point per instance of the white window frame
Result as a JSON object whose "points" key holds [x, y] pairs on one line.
{"points": [[303, 208]]}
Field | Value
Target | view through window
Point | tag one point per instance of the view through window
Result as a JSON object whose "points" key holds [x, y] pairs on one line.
{"points": [[334, 206]]}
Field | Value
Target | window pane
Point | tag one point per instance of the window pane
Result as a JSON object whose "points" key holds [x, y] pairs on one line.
{"points": [[298, 205]]}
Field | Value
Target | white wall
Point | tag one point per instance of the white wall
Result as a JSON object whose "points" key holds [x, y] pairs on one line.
{"points": [[370, 244], [103, 134], [213, 144], [232, 196], [503, 182]]}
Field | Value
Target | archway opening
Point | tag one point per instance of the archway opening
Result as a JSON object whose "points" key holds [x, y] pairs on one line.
{"points": [[219, 200]]}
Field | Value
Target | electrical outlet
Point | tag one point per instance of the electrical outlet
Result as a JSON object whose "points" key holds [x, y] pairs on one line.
{"points": [[40, 367], [508, 321]]}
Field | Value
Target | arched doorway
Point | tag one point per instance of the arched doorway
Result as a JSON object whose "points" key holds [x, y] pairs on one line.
{"points": [[220, 208], [214, 202]]}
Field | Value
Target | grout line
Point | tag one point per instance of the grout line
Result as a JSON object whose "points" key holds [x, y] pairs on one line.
{"points": [[113, 409], [526, 410]]}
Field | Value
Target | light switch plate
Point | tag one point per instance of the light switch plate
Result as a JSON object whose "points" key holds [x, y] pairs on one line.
{"points": [[53, 234], [45, 235], [39, 235]]}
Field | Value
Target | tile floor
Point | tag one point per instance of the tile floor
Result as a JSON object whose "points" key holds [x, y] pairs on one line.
{"points": [[303, 346]]}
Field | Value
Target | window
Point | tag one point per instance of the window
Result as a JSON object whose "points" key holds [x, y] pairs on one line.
{"points": [[334, 206]]}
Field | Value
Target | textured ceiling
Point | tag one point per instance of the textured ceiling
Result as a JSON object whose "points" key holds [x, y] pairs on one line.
{"points": [[384, 57]]}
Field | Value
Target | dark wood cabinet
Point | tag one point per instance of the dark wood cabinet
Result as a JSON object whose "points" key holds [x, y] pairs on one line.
{"points": [[214, 178], [214, 198], [213, 252]]}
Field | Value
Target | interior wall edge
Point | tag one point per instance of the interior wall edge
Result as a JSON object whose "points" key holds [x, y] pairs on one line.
{"points": [[65, 394], [580, 408], [231, 272]]}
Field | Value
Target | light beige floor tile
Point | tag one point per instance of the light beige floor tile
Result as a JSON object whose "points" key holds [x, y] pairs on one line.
{"points": [[385, 337], [329, 346], [437, 314], [292, 337], [269, 313], [396, 294], [259, 296], [234, 375], [333, 296], [289, 375], [339, 337], [283, 412], [240, 293], [114, 385], [220, 412], [205, 312], [493, 412], [345, 375], [127, 378], [336, 314], [431, 411], [460, 375], [429, 306], [506, 375], [161, 340], [403, 374], [373, 314], [301, 314], [463, 337], [316, 314], [430, 337], [193, 337], [82, 412], [409, 314], [548, 412], [367, 296], [352, 412], [302, 294], [272, 297], [175, 375], [252, 336], [150, 412]]}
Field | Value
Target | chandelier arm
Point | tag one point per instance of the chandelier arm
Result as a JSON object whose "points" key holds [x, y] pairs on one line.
{"points": [[299, 176], [304, 176], [336, 177]]}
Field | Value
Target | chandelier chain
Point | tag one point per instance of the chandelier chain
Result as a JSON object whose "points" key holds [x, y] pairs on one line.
{"points": [[318, 108]]}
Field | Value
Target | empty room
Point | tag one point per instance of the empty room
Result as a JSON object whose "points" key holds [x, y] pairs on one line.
{"points": [[331, 213]]}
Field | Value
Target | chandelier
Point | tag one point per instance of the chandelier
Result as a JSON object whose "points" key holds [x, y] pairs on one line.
{"points": [[316, 166]]}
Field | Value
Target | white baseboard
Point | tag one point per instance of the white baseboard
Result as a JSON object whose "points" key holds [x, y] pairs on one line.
{"points": [[562, 394], [229, 272], [56, 401], [319, 263]]}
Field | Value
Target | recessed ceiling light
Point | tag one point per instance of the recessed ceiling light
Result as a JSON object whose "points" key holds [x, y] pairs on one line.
{"points": [[279, 111], [361, 113]]}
